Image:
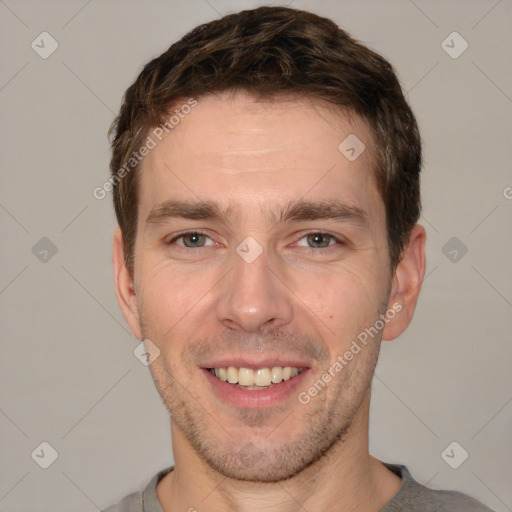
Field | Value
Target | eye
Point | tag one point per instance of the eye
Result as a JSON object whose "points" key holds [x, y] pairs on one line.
{"points": [[319, 240], [191, 239], [313, 240]]}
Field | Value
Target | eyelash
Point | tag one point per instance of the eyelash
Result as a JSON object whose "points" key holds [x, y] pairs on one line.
{"points": [[185, 233]]}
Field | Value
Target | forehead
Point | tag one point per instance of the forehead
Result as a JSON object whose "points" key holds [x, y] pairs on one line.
{"points": [[248, 153]]}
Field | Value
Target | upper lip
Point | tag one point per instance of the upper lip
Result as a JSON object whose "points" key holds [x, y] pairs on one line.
{"points": [[254, 363]]}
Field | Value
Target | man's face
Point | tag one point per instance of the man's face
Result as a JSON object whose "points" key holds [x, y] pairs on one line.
{"points": [[261, 288]]}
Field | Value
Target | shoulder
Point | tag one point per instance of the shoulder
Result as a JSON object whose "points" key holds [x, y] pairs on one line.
{"points": [[145, 500], [415, 497], [131, 503]]}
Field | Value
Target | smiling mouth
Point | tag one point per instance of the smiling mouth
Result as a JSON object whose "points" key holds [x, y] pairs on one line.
{"points": [[255, 379]]}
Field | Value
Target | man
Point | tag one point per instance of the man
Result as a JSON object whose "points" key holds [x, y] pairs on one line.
{"points": [[266, 184]]}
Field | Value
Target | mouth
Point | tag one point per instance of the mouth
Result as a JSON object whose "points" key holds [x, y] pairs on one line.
{"points": [[254, 386], [255, 379]]}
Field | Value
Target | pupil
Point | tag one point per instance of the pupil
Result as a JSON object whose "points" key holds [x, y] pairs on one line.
{"points": [[193, 239], [318, 239]]}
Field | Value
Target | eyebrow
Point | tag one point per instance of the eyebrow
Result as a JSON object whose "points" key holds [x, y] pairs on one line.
{"points": [[293, 211]]}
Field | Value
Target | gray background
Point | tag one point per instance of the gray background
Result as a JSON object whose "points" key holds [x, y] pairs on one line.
{"points": [[68, 370]]}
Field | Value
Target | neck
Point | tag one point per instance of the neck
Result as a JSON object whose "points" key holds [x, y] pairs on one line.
{"points": [[346, 479]]}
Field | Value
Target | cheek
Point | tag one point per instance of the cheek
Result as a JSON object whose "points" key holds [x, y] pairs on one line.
{"points": [[171, 301], [346, 300]]}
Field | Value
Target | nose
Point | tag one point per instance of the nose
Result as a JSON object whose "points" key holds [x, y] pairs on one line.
{"points": [[254, 297]]}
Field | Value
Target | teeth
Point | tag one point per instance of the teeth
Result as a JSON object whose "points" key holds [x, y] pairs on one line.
{"points": [[262, 377], [277, 374], [232, 375], [246, 377]]}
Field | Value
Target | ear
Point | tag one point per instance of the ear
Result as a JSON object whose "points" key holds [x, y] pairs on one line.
{"points": [[406, 284], [125, 291]]}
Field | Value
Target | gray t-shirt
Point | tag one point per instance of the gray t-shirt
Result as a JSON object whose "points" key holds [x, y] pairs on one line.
{"points": [[411, 497]]}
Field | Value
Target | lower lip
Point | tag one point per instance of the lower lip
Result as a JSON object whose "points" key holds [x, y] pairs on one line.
{"points": [[255, 398]]}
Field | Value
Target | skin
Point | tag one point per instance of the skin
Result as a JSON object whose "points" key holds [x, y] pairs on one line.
{"points": [[304, 296]]}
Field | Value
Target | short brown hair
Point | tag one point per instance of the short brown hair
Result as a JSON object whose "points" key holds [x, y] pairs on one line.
{"points": [[268, 51]]}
